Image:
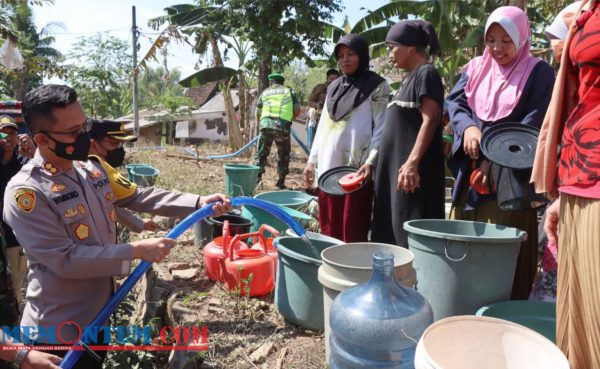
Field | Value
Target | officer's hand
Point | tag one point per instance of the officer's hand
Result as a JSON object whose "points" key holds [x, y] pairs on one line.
{"points": [[222, 203], [152, 250], [309, 175], [26, 145], [40, 360], [150, 225]]}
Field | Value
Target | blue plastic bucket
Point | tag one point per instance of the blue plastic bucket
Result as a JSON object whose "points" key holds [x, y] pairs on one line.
{"points": [[295, 200], [298, 292], [240, 179], [142, 174], [536, 315], [463, 265]]}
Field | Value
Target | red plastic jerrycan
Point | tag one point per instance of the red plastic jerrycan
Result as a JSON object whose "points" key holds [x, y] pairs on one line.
{"points": [[262, 240], [214, 254], [251, 271]]}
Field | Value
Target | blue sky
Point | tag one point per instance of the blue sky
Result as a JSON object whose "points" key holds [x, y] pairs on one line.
{"points": [[83, 18]]}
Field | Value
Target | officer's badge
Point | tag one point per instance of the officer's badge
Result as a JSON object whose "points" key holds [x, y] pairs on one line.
{"points": [[110, 196], [82, 210], [57, 187], [95, 174], [112, 215], [25, 198], [50, 168], [70, 150], [82, 231], [70, 213]]}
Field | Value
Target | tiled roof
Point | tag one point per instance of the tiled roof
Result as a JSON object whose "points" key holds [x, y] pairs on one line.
{"points": [[200, 95]]}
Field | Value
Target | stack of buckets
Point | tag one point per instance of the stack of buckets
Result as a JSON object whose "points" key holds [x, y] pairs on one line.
{"points": [[460, 266]]}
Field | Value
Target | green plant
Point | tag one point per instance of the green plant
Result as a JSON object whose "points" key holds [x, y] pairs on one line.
{"points": [[194, 296]]}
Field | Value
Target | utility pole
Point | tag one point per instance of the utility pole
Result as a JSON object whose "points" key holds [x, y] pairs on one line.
{"points": [[136, 115]]}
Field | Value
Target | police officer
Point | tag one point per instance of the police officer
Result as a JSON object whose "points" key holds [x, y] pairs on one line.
{"points": [[62, 210], [11, 162], [107, 139], [277, 106]]}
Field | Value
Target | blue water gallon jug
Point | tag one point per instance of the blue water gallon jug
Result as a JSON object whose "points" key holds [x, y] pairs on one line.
{"points": [[377, 324]]}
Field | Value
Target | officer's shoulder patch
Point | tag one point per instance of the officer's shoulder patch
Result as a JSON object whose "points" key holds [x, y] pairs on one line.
{"points": [[50, 168], [25, 199], [121, 186]]}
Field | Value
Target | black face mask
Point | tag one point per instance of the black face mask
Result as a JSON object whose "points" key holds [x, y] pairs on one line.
{"points": [[115, 157], [78, 150]]}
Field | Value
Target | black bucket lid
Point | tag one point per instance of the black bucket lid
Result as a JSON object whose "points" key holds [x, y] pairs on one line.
{"points": [[510, 145], [329, 181]]}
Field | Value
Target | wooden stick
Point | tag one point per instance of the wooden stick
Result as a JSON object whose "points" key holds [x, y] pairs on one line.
{"points": [[281, 358], [250, 361]]}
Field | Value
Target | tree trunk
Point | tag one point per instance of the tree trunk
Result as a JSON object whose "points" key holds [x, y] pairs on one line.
{"points": [[264, 69], [236, 140]]}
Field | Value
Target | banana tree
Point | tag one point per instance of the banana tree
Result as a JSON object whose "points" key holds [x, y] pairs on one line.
{"points": [[198, 21], [459, 25]]}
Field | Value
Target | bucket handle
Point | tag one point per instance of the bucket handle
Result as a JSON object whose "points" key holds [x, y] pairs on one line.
{"points": [[456, 260], [267, 228], [234, 241], [226, 237]]}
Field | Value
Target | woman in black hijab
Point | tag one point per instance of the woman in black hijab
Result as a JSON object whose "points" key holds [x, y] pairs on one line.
{"points": [[409, 180], [348, 134]]}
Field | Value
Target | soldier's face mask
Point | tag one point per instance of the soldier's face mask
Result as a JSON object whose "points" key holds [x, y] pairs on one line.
{"points": [[115, 157], [76, 150]]}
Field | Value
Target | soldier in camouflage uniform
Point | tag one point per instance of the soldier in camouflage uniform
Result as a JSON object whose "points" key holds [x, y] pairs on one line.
{"points": [[277, 106]]}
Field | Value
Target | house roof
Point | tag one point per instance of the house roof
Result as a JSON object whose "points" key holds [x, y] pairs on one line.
{"points": [[200, 95]]}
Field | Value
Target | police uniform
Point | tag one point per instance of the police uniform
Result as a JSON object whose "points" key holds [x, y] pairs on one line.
{"points": [[277, 104], [65, 222], [114, 129]]}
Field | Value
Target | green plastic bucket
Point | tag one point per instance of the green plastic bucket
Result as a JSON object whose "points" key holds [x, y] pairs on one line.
{"points": [[298, 292], [142, 174], [129, 168], [294, 200], [535, 315], [240, 179], [463, 265]]}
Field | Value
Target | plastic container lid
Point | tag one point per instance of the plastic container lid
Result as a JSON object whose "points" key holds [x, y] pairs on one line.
{"points": [[510, 145], [351, 182], [329, 182]]}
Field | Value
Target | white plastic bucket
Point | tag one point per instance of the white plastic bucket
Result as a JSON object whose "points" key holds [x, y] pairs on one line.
{"points": [[347, 265], [473, 342]]}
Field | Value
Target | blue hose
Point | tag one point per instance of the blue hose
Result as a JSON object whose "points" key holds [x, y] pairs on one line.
{"points": [[72, 356], [246, 146], [302, 145]]}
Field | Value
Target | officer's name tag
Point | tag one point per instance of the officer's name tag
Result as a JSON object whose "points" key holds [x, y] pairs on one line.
{"points": [[66, 197]]}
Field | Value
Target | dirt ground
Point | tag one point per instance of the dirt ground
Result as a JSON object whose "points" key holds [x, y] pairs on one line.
{"points": [[238, 326]]}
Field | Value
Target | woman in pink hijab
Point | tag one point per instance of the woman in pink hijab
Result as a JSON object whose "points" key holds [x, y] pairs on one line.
{"points": [[505, 84]]}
